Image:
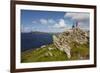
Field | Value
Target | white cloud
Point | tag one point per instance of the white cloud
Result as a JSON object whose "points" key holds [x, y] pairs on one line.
{"points": [[43, 21], [60, 24], [77, 16], [25, 29], [83, 25], [51, 21], [81, 18], [34, 22], [47, 21]]}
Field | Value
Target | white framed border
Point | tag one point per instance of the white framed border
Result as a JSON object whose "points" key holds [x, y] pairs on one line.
{"points": [[20, 65]]}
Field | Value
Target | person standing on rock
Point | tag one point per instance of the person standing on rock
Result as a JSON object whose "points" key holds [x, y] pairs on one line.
{"points": [[73, 26]]}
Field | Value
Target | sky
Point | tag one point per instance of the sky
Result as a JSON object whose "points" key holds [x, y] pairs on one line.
{"points": [[52, 21]]}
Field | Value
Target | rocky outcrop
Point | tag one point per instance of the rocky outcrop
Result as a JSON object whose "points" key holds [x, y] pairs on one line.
{"points": [[64, 40]]}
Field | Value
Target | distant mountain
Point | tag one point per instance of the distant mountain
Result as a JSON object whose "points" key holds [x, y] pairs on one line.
{"points": [[39, 32]]}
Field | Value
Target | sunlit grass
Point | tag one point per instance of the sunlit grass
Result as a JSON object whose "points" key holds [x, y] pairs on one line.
{"points": [[44, 54]]}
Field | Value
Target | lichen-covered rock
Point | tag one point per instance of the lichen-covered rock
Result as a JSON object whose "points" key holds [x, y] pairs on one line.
{"points": [[64, 40], [50, 48]]}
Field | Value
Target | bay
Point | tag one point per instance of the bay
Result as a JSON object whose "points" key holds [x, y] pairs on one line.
{"points": [[35, 40]]}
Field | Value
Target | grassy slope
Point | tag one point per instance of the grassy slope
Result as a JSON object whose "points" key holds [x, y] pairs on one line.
{"points": [[79, 50], [44, 54]]}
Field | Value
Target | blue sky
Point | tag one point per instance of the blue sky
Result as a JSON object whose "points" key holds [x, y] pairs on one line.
{"points": [[51, 21]]}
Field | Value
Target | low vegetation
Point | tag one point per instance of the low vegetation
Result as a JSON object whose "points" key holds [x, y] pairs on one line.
{"points": [[51, 53]]}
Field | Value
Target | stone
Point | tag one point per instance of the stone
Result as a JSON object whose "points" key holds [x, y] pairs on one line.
{"points": [[50, 48], [65, 39], [43, 46]]}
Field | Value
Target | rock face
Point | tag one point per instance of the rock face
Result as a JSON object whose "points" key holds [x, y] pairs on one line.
{"points": [[64, 40]]}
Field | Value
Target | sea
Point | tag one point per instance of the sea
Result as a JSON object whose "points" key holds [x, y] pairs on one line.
{"points": [[35, 40]]}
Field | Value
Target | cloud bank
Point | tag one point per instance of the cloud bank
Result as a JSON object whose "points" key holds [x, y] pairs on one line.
{"points": [[60, 24], [77, 16], [81, 18]]}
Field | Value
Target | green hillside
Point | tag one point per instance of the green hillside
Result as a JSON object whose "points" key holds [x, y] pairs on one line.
{"points": [[45, 54]]}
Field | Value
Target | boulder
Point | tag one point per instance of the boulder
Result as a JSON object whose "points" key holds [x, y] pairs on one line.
{"points": [[64, 40]]}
